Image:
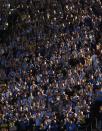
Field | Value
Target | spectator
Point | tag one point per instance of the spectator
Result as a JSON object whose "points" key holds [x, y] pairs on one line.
{"points": [[50, 59]]}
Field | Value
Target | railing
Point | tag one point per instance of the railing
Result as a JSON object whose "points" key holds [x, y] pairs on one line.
{"points": [[96, 123]]}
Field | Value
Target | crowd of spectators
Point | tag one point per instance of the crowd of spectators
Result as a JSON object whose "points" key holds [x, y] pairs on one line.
{"points": [[50, 62]]}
